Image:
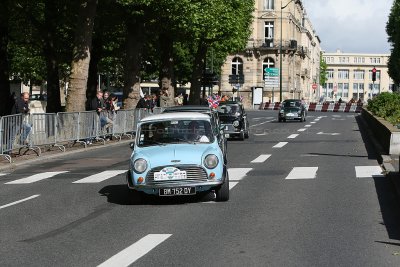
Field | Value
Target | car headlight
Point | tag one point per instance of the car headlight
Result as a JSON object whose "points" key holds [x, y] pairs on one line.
{"points": [[211, 161], [236, 123], [140, 165]]}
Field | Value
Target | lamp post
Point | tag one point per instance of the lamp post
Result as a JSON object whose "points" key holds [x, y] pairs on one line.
{"points": [[280, 50]]}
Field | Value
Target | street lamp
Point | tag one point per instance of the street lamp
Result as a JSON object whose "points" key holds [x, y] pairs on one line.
{"points": [[280, 49]]}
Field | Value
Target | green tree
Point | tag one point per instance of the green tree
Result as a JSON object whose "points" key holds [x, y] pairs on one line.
{"points": [[322, 71], [393, 31], [5, 108]]}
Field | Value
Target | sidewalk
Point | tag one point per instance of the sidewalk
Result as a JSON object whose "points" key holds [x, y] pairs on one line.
{"points": [[30, 157]]}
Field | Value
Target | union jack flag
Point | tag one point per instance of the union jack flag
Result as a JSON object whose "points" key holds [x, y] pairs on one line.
{"points": [[213, 101]]}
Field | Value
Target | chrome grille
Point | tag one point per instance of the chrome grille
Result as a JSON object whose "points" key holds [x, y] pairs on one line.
{"points": [[193, 174]]}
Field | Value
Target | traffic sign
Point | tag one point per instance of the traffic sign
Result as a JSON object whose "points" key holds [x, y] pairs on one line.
{"points": [[314, 86], [271, 72]]}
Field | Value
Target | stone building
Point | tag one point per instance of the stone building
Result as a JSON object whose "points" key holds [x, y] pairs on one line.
{"points": [[283, 47], [349, 75]]}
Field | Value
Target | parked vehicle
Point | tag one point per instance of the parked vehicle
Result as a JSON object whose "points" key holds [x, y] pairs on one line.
{"points": [[233, 118], [292, 109], [177, 154]]}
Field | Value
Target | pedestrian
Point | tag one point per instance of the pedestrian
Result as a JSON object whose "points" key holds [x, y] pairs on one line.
{"points": [[143, 102], [96, 104], [164, 98], [21, 106]]}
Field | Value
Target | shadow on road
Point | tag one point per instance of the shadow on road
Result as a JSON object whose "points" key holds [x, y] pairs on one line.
{"points": [[119, 194], [385, 189]]}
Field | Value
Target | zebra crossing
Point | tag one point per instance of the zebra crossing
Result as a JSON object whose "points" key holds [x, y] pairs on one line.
{"points": [[235, 174]]}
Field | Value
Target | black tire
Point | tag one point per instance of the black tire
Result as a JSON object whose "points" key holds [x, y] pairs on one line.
{"points": [[241, 136], [279, 119], [222, 193]]}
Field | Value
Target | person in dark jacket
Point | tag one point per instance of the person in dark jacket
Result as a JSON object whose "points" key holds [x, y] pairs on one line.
{"points": [[21, 106]]}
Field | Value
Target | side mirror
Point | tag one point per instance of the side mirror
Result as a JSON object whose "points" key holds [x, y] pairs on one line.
{"points": [[132, 145]]}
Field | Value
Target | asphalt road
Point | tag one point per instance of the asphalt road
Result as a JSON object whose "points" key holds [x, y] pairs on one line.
{"points": [[317, 198]]}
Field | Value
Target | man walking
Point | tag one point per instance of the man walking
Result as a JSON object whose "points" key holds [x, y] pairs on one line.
{"points": [[21, 106]]}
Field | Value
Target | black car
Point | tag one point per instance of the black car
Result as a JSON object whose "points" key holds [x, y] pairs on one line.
{"points": [[215, 121], [233, 118], [292, 109]]}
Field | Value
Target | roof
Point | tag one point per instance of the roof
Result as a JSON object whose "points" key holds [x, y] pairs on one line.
{"points": [[187, 108], [176, 116]]}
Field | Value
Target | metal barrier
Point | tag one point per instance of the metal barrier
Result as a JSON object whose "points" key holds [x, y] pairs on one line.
{"points": [[67, 127], [44, 130]]}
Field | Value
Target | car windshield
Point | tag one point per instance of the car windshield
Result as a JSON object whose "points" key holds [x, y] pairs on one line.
{"points": [[228, 109], [291, 104], [175, 131]]}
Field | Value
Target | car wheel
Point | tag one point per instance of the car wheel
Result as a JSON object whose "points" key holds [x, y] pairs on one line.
{"points": [[241, 136], [279, 119], [222, 193], [247, 134]]}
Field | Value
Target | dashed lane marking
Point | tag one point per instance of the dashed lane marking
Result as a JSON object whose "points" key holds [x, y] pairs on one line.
{"points": [[261, 123], [232, 185], [313, 122], [292, 136], [137, 250], [302, 173], [36, 177], [237, 174], [261, 158], [19, 201], [280, 145], [307, 126], [301, 130], [368, 171], [99, 177]]}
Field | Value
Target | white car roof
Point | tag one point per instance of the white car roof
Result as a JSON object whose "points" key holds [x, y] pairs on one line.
{"points": [[176, 116]]}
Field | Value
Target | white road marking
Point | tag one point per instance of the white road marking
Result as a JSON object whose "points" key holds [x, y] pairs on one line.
{"points": [[302, 173], [137, 250], [313, 122], [280, 144], [237, 174], [316, 119], [3, 174], [301, 130], [292, 136], [99, 177], [368, 171], [232, 185], [19, 201], [261, 158], [254, 125], [335, 119], [322, 133], [308, 125], [36, 177]]}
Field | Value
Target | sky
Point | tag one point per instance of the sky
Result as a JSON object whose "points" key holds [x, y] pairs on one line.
{"points": [[352, 26]]}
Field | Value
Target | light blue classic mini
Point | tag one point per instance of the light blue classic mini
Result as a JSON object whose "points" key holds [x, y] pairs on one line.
{"points": [[177, 154]]}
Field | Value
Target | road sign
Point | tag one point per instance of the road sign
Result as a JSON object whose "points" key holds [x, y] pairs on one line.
{"points": [[314, 86], [271, 77], [271, 72]]}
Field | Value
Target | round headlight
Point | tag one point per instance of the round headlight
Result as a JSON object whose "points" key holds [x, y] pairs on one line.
{"points": [[236, 123], [211, 161], [140, 165]]}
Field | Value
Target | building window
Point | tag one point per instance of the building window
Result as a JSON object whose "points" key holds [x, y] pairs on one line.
{"points": [[358, 90], [268, 63], [329, 74], [359, 75], [269, 4], [329, 90], [375, 88], [343, 74], [269, 33], [375, 60], [237, 66], [359, 60], [345, 90]]}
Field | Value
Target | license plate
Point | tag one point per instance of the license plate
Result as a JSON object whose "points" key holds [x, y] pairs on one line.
{"points": [[226, 135], [177, 191], [290, 114], [166, 175]]}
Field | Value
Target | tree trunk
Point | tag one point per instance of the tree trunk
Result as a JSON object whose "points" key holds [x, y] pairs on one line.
{"points": [[76, 97], [198, 65], [5, 108], [134, 47], [167, 64], [50, 54], [92, 85]]}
